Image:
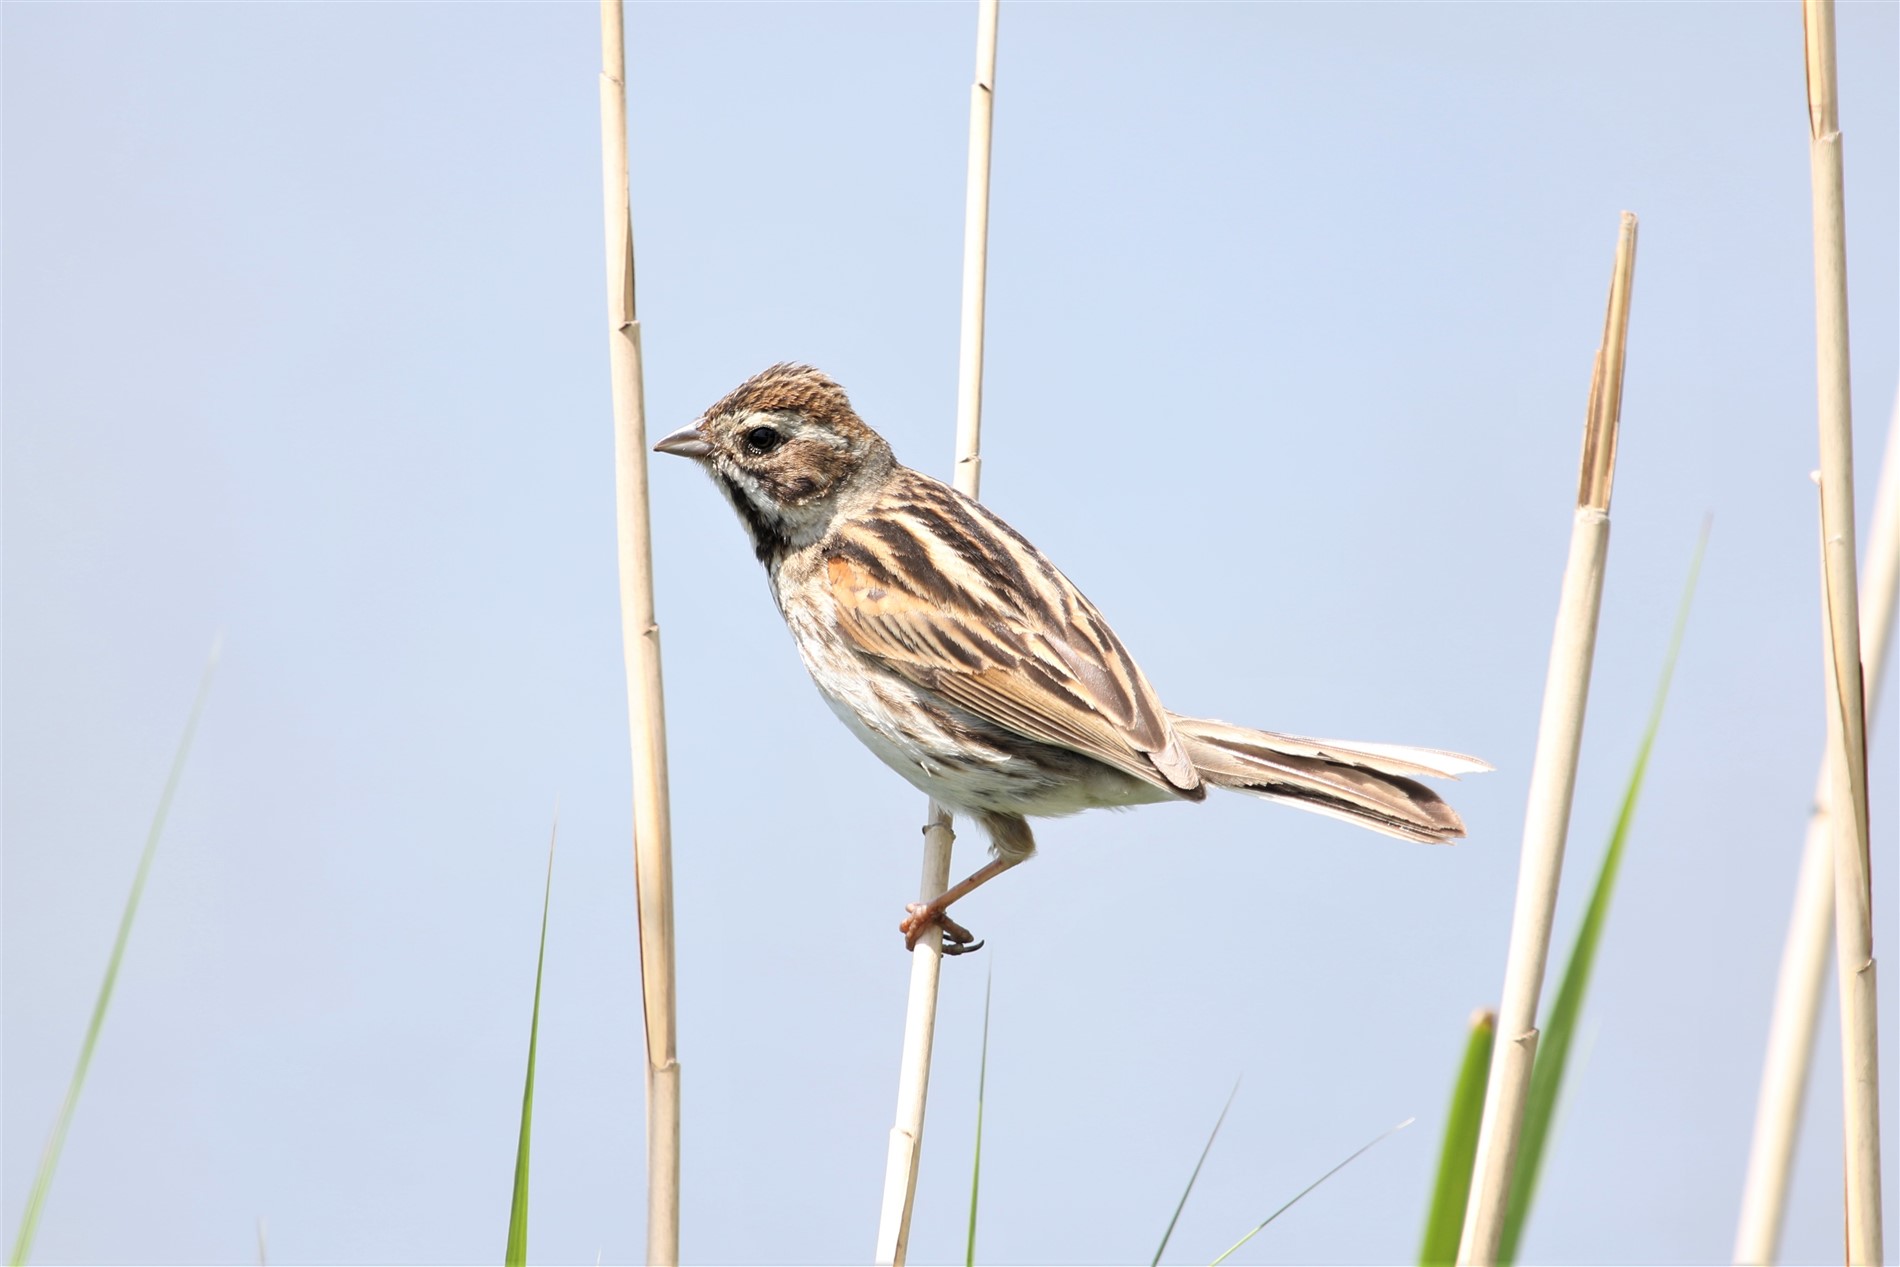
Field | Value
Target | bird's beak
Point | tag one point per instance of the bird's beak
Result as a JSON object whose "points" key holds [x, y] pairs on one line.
{"points": [[686, 443]]}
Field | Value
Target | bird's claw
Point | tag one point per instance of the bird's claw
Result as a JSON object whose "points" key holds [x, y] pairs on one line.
{"points": [[952, 946], [919, 918]]}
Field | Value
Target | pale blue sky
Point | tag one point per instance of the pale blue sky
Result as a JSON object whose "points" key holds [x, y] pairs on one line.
{"points": [[1292, 315]]}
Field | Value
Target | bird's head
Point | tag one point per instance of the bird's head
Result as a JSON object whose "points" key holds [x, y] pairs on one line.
{"points": [[786, 449]]}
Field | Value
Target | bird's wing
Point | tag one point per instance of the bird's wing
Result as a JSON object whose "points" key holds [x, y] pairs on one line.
{"points": [[946, 595]]}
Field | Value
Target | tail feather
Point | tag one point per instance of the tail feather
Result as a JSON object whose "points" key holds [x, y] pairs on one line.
{"points": [[1367, 784]]}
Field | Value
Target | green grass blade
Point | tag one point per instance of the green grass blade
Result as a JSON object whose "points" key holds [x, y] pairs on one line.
{"points": [[1560, 1025], [518, 1207], [982, 1080], [1187, 1191], [1359, 1152], [1450, 1195], [49, 1158]]}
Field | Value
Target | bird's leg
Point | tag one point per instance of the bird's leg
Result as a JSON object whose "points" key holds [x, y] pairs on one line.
{"points": [[957, 939]]}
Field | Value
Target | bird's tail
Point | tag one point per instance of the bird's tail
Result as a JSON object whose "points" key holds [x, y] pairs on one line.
{"points": [[1370, 784]]}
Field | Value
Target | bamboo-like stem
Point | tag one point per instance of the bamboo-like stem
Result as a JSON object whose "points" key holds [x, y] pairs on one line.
{"points": [[640, 643], [920, 1016], [1846, 705], [976, 257], [1553, 778], [1805, 956]]}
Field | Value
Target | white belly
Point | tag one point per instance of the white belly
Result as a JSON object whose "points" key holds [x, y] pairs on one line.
{"points": [[900, 722]]}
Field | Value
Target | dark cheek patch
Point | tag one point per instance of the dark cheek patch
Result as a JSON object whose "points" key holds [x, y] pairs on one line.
{"points": [[800, 471]]}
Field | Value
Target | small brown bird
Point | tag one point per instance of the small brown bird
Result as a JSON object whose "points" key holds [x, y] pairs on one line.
{"points": [[972, 667]]}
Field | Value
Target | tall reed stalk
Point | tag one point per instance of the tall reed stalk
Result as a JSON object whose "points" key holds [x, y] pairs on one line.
{"points": [[640, 643], [1845, 703], [1805, 956], [920, 1016], [1553, 779]]}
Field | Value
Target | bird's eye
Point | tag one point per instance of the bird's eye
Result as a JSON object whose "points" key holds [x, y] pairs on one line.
{"points": [[762, 440]]}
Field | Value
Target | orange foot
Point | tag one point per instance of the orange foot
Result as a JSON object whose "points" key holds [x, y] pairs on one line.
{"points": [[921, 917]]}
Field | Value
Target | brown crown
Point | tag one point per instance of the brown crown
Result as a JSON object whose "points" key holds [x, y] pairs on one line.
{"points": [[790, 387]]}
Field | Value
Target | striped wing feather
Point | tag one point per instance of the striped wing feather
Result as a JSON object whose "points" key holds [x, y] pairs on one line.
{"points": [[949, 597]]}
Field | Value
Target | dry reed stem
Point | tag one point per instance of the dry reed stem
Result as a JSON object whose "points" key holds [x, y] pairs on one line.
{"points": [[640, 642], [1805, 957], [1846, 705], [1553, 778], [920, 1016]]}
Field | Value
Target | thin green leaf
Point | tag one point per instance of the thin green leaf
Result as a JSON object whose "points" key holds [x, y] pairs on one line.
{"points": [[49, 1158], [1560, 1025], [1452, 1192], [1185, 1192], [982, 1080], [518, 1208], [1357, 1154]]}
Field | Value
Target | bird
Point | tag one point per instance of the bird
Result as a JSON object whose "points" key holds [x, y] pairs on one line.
{"points": [[961, 657]]}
